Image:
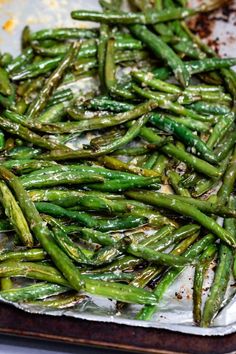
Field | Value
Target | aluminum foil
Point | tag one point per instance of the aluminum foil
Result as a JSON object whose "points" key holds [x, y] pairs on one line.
{"points": [[174, 312]]}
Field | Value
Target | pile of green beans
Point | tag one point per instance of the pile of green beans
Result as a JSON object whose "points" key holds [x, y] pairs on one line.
{"points": [[116, 191]]}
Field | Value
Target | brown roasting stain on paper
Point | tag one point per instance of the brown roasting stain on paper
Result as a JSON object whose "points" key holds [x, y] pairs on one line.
{"points": [[204, 24], [9, 25]]}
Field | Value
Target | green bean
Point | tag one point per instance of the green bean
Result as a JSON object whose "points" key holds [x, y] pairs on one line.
{"points": [[186, 48], [109, 253], [199, 66], [25, 38], [229, 79], [32, 86], [154, 218], [149, 17], [26, 166], [199, 275], [170, 149], [98, 123], [116, 164], [54, 113], [11, 164], [63, 34], [10, 143], [15, 215], [209, 64], [101, 53], [184, 209], [20, 61], [88, 220], [151, 241], [33, 292], [147, 312], [192, 124], [203, 185], [119, 292], [184, 134], [228, 180], [124, 263], [67, 245], [36, 69], [34, 254], [121, 185], [229, 223], [57, 211], [88, 49], [225, 145], [143, 250], [160, 85], [53, 81], [110, 69], [27, 134], [70, 198], [60, 96], [178, 235], [106, 103], [61, 178], [201, 89], [116, 291], [231, 226], [220, 97], [211, 77], [9, 101], [114, 4], [142, 239], [209, 108], [161, 73], [40, 230], [23, 153], [176, 27], [61, 302], [218, 287], [175, 179], [150, 272], [97, 236], [165, 102], [151, 161], [95, 202], [111, 277], [6, 283], [134, 151], [5, 59], [129, 136], [157, 257], [21, 106], [2, 140], [220, 129], [161, 164], [32, 270], [94, 170], [5, 85], [161, 49]]}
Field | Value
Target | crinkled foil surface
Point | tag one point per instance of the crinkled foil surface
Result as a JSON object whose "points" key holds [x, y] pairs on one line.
{"points": [[175, 310]]}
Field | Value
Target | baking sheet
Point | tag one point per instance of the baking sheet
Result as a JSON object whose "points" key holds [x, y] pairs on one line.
{"points": [[175, 310]]}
